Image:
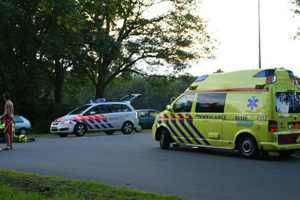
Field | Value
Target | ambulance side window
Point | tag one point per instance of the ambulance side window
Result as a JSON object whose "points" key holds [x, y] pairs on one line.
{"points": [[184, 103], [211, 102]]}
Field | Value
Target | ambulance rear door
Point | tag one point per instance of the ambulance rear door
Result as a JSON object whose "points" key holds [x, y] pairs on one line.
{"points": [[287, 115]]}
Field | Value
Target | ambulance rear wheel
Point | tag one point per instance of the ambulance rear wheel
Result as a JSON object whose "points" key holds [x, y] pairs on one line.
{"points": [[165, 139], [286, 153], [247, 147], [79, 130]]}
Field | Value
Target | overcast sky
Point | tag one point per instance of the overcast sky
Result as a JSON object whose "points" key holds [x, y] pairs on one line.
{"points": [[234, 23]]}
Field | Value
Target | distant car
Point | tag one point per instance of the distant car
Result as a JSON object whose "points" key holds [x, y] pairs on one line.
{"points": [[22, 125], [98, 116], [146, 118]]}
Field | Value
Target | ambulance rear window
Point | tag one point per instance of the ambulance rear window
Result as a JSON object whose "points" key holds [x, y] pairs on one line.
{"points": [[211, 102], [287, 102]]}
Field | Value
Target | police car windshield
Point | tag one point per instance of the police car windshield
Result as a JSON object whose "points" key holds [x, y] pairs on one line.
{"points": [[79, 110]]}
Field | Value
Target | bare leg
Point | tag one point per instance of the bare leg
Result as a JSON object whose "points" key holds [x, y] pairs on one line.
{"points": [[10, 140], [7, 138]]}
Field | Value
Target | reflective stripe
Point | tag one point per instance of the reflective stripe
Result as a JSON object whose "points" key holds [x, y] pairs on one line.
{"points": [[289, 138], [183, 129]]}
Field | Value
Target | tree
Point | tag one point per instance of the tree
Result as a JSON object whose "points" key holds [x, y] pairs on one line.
{"points": [[20, 71], [297, 11], [59, 43], [130, 39]]}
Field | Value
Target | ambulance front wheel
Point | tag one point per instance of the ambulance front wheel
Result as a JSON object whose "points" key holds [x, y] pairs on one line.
{"points": [[247, 147], [165, 139]]}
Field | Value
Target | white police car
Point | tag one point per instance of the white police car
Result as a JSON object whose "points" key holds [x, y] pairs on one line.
{"points": [[98, 116]]}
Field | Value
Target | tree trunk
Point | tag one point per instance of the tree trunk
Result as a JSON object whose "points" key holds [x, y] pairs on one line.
{"points": [[100, 88], [58, 81]]}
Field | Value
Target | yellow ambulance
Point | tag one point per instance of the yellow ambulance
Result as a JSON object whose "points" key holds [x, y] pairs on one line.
{"points": [[252, 111]]}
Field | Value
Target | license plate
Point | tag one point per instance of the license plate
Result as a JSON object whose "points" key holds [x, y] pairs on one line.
{"points": [[294, 126], [54, 128]]}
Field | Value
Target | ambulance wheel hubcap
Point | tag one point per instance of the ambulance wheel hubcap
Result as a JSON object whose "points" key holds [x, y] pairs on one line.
{"points": [[247, 146]]}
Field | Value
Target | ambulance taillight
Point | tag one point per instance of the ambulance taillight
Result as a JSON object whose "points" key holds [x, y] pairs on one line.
{"points": [[272, 79], [273, 127], [293, 79]]}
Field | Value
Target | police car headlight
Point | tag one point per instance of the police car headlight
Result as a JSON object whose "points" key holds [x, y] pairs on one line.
{"points": [[66, 122]]}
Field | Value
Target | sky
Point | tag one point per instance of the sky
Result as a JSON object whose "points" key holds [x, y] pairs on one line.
{"points": [[234, 23]]}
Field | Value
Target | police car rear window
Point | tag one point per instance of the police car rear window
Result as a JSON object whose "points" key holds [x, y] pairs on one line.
{"points": [[287, 102]]}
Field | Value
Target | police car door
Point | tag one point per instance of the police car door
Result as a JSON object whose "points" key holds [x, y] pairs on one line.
{"points": [[94, 118], [115, 116], [208, 118]]}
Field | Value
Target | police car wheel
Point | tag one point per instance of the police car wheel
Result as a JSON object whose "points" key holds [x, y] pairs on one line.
{"points": [[165, 139], [79, 130], [109, 132], [63, 134], [127, 128], [247, 147]]}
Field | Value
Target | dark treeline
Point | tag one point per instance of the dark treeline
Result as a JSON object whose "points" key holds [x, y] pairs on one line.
{"points": [[57, 54]]}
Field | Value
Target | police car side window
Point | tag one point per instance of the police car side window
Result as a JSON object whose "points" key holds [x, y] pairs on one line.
{"points": [[211, 102], [184, 103], [125, 108], [112, 108], [100, 109]]}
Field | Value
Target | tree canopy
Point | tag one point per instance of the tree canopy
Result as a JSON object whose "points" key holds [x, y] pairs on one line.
{"points": [[133, 38], [56, 53]]}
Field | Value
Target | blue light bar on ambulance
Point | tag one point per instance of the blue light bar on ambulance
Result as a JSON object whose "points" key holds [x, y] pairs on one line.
{"points": [[97, 100], [201, 78], [265, 73]]}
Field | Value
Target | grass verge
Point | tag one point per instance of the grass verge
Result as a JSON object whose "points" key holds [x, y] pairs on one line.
{"points": [[22, 186]]}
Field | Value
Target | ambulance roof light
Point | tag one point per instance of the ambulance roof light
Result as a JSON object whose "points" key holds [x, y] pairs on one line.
{"points": [[291, 73], [201, 78], [265, 73]]}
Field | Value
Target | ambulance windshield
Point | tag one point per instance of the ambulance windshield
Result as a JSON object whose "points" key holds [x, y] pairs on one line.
{"points": [[287, 102]]}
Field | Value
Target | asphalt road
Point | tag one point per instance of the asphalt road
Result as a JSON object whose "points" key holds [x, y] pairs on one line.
{"points": [[136, 161]]}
